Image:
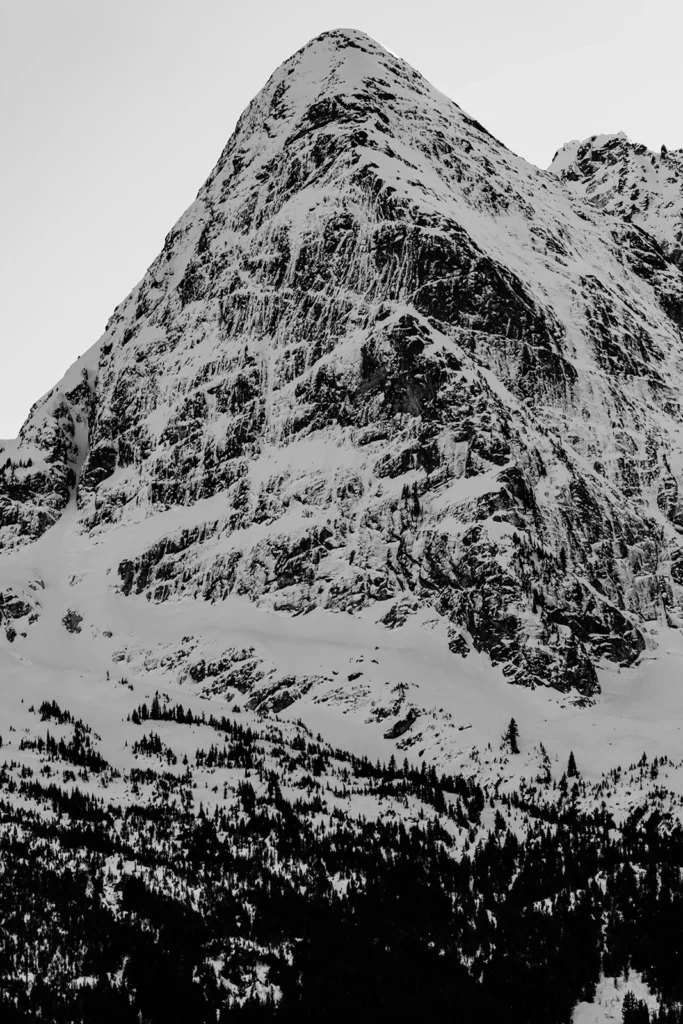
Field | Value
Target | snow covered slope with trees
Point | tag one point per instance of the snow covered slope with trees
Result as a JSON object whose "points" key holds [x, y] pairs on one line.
{"points": [[162, 861]]}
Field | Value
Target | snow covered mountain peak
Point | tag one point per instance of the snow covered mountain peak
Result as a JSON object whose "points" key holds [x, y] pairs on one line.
{"points": [[382, 367], [336, 60], [393, 420], [339, 61], [349, 94]]}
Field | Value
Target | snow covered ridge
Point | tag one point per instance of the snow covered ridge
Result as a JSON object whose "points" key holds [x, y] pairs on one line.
{"points": [[381, 365], [630, 181]]}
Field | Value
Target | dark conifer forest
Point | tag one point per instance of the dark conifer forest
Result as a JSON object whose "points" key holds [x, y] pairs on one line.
{"points": [[286, 898]]}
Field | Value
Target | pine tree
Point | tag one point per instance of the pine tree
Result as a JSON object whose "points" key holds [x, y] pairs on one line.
{"points": [[634, 1011], [545, 774], [156, 708], [511, 737], [572, 770]]}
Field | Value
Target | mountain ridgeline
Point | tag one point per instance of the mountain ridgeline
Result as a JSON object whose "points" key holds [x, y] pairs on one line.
{"points": [[385, 360]]}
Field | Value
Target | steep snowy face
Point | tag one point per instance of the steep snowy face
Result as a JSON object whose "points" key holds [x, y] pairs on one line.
{"points": [[383, 359], [630, 181]]}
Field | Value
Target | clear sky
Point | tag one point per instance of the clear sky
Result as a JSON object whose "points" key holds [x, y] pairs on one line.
{"points": [[113, 113]]}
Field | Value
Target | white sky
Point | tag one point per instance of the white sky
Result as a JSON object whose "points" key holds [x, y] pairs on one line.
{"points": [[113, 112]]}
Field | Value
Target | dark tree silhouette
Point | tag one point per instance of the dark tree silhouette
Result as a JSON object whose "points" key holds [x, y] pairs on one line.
{"points": [[511, 737]]}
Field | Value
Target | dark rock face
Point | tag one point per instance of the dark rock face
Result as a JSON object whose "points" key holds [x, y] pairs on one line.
{"points": [[401, 727], [72, 621], [38, 471], [381, 358], [19, 602]]}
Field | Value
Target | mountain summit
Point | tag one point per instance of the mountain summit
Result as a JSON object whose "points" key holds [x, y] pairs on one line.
{"points": [[382, 367]]}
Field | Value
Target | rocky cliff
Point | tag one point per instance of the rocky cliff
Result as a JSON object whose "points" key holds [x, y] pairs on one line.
{"points": [[386, 362], [629, 180]]}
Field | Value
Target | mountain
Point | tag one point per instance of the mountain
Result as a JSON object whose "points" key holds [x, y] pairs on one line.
{"points": [[392, 422], [381, 362]]}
